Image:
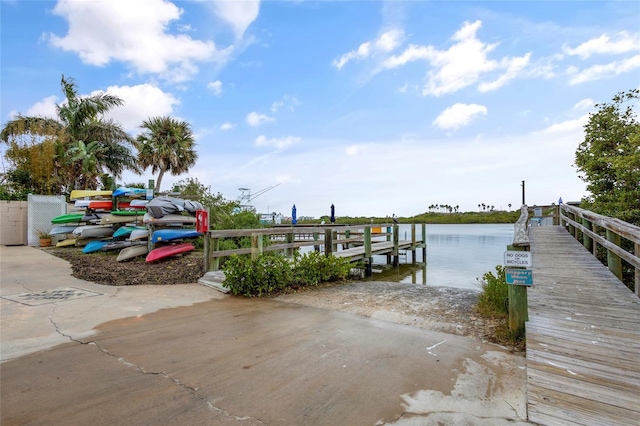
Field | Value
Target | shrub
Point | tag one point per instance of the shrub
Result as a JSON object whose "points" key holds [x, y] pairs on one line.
{"points": [[264, 275], [494, 293], [273, 272]]}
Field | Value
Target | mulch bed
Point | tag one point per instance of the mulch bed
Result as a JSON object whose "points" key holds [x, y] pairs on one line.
{"points": [[102, 268]]}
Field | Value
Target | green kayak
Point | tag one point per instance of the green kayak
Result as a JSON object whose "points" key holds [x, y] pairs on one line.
{"points": [[68, 218], [128, 212]]}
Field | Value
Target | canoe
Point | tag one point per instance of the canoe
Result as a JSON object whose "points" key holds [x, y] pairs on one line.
{"points": [[131, 252], [167, 251], [81, 193], [112, 218], [66, 243], [117, 245], [124, 231], [169, 219], [139, 234], [174, 234], [68, 218], [93, 231], [94, 246], [129, 192], [62, 230]]}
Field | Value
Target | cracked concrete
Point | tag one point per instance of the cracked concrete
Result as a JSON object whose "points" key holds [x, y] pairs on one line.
{"points": [[127, 355]]}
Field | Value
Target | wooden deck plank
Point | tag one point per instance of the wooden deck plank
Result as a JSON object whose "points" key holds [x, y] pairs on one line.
{"points": [[583, 337]]}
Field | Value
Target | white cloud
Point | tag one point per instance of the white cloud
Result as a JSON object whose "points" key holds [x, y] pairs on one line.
{"points": [[288, 102], [227, 126], [239, 14], [462, 64], [386, 42], [459, 115], [215, 87], [514, 68], [587, 103], [604, 45], [255, 119], [99, 32], [573, 126], [278, 143], [597, 72], [44, 108], [140, 103]]}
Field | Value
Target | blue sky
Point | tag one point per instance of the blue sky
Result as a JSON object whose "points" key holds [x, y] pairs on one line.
{"points": [[376, 107]]}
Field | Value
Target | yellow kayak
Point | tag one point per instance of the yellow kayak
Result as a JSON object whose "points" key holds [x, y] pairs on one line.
{"points": [[81, 193], [67, 242]]}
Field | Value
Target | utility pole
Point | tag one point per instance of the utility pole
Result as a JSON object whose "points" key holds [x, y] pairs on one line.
{"points": [[523, 193]]}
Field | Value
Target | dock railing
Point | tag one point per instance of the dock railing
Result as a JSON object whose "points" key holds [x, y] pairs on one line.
{"points": [[585, 225], [321, 237]]}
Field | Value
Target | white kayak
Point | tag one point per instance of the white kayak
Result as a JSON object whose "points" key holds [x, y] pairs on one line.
{"points": [[138, 234], [168, 219], [93, 231], [131, 252]]}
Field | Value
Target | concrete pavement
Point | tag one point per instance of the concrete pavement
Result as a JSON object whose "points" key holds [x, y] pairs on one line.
{"points": [[129, 355]]}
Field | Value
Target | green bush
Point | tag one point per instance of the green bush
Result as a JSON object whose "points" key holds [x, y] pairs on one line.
{"points": [[272, 272], [494, 293]]}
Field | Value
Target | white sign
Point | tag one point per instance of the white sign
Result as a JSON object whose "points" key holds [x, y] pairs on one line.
{"points": [[517, 258]]}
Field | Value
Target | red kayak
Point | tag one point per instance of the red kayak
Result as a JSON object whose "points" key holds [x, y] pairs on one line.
{"points": [[106, 205], [100, 205], [166, 251]]}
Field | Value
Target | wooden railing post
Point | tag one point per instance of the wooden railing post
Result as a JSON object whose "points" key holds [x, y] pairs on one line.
{"points": [[636, 249], [518, 308], [587, 241], [368, 260], [556, 215], [207, 258], [389, 229], [334, 239], [424, 247], [347, 235], [328, 241], [396, 243], [256, 245], [613, 260], [413, 243], [572, 229], [290, 240], [215, 245], [518, 305], [315, 238]]}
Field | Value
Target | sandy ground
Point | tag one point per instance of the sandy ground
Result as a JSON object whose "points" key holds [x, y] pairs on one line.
{"points": [[444, 309]]}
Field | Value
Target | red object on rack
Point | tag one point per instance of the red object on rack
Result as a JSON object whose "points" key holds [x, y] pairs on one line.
{"points": [[202, 221]]}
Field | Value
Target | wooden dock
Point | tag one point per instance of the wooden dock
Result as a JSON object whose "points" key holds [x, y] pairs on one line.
{"points": [[583, 337]]}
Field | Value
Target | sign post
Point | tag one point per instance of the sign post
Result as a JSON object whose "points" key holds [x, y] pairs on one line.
{"points": [[518, 279]]}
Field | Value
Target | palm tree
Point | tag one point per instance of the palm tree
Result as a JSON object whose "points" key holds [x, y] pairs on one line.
{"points": [[79, 125], [166, 145], [509, 206]]}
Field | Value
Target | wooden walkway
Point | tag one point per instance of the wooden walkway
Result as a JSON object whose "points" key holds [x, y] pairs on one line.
{"points": [[377, 248], [583, 337]]}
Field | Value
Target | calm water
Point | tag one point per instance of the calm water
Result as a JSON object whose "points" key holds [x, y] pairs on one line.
{"points": [[456, 255]]}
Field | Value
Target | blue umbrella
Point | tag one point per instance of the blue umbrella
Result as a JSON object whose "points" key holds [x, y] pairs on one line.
{"points": [[333, 214], [293, 215]]}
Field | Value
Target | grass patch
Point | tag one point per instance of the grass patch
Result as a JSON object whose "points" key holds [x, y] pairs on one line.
{"points": [[493, 305]]}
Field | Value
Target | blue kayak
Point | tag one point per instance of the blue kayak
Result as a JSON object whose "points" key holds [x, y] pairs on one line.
{"points": [[94, 246], [174, 234], [135, 192]]}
